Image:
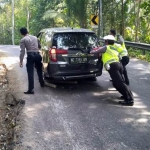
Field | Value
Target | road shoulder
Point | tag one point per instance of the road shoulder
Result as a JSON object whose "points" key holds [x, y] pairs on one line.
{"points": [[10, 108]]}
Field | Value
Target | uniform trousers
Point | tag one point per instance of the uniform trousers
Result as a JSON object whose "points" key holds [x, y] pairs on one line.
{"points": [[125, 61], [34, 59], [115, 72]]}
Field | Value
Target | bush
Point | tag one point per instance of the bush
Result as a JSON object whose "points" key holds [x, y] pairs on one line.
{"points": [[137, 53]]}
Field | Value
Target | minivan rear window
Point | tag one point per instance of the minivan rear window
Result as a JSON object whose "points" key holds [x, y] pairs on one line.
{"points": [[75, 40]]}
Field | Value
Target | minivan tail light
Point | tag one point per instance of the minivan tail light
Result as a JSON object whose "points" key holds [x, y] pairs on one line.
{"points": [[53, 53]]}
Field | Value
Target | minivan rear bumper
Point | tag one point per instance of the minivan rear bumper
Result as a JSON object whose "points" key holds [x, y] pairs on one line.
{"points": [[54, 72], [73, 77]]}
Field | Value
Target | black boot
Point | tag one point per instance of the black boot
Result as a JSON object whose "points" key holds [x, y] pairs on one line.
{"points": [[122, 97], [29, 92], [42, 84], [127, 103], [127, 82]]}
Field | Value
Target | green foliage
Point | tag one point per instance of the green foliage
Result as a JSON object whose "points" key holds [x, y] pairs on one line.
{"points": [[77, 9], [129, 17], [137, 53], [130, 33], [146, 6]]}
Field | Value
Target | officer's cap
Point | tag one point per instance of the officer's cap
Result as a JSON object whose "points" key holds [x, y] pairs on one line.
{"points": [[109, 37]]}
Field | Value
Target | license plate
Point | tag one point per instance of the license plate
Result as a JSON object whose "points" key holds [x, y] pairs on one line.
{"points": [[78, 60]]}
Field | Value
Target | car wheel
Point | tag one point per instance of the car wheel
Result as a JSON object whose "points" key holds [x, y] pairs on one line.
{"points": [[92, 79], [44, 76]]}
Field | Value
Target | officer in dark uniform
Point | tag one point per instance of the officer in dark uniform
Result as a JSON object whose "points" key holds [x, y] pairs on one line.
{"points": [[31, 44]]}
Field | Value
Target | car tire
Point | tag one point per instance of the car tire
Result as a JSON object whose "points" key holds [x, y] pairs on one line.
{"points": [[45, 77], [92, 79]]}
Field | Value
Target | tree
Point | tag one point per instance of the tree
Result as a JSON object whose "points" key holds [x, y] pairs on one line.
{"points": [[131, 18], [78, 11]]}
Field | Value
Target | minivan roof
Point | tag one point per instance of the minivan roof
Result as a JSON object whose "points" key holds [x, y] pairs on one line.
{"points": [[66, 29]]}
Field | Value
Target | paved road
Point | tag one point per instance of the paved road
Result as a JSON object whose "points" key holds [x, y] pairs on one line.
{"points": [[85, 116]]}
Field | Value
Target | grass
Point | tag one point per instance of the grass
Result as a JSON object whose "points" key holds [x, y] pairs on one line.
{"points": [[137, 53]]}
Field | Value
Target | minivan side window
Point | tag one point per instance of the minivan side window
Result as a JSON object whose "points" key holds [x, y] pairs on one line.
{"points": [[48, 38], [44, 48], [39, 36], [43, 42]]}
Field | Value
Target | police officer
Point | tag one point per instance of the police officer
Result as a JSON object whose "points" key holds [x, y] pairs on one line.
{"points": [[113, 32], [114, 67], [123, 54], [31, 44]]}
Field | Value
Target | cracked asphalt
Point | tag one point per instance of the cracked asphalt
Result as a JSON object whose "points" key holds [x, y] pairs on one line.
{"points": [[82, 116]]}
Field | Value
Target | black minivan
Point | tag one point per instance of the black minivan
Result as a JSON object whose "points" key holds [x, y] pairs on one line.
{"points": [[66, 56]]}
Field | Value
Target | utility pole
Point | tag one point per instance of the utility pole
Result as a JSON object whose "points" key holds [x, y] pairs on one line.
{"points": [[28, 14], [13, 22], [100, 24]]}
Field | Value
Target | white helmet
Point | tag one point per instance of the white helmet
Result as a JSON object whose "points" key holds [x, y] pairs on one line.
{"points": [[109, 37]]}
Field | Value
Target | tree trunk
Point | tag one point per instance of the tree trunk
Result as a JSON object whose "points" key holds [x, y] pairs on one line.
{"points": [[13, 22], [28, 16], [137, 21], [134, 2], [113, 15], [122, 23]]}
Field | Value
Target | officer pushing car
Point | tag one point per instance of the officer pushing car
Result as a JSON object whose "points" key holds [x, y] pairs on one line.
{"points": [[110, 58], [123, 53]]}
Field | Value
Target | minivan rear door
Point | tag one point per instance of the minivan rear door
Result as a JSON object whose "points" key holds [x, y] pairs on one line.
{"points": [[73, 51]]}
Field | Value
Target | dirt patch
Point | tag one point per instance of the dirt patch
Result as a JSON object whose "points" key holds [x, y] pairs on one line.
{"points": [[10, 108], [3, 80]]}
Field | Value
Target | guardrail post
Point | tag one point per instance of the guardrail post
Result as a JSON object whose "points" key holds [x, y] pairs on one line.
{"points": [[143, 52]]}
